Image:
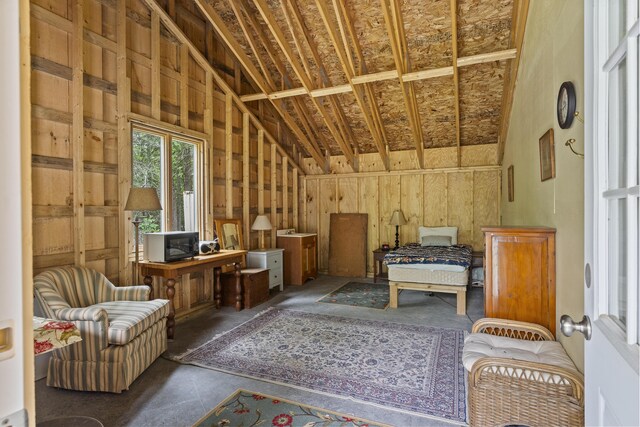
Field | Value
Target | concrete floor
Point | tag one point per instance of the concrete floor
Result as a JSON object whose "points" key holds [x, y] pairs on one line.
{"points": [[171, 394]]}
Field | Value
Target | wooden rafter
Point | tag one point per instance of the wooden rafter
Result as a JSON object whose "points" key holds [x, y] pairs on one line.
{"points": [[518, 25], [337, 109], [369, 107], [218, 24], [301, 109], [220, 81], [276, 31], [456, 86], [397, 38], [387, 75]]}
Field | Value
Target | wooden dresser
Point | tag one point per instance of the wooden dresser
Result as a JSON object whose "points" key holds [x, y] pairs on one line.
{"points": [[300, 257], [520, 274]]}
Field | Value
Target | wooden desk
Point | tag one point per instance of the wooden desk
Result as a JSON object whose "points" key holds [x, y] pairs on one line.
{"points": [[171, 270]]}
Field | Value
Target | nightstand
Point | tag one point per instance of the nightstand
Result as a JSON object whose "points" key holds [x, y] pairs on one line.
{"points": [[268, 258], [378, 258]]}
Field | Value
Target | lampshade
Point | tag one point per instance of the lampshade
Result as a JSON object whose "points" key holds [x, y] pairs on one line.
{"points": [[261, 223], [142, 199], [397, 218]]}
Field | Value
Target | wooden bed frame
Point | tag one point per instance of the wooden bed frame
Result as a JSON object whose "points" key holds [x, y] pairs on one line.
{"points": [[459, 290]]}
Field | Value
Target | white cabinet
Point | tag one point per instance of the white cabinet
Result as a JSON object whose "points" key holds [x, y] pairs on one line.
{"points": [[271, 259]]}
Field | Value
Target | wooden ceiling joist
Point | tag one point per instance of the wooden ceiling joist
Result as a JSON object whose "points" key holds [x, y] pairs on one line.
{"points": [[278, 35], [218, 24], [397, 38], [341, 46], [300, 108], [171, 25], [466, 61], [344, 127], [456, 86]]}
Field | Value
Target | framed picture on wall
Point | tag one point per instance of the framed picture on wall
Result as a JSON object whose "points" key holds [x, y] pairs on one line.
{"points": [[510, 183], [547, 156]]}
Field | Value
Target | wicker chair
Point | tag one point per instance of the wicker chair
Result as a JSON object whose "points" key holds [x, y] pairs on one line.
{"points": [[505, 390]]}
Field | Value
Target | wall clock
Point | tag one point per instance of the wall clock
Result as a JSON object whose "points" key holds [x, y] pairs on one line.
{"points": [[566, 107]]}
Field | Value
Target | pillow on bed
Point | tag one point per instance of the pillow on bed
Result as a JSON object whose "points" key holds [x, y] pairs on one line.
{"points": [[435, 240], [439, 231]]}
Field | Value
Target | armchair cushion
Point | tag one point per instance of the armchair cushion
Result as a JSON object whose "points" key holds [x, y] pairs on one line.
{"points": [[128, 319], [477, 346]]}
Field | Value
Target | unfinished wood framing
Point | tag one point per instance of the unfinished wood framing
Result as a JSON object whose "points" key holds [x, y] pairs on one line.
{"points": [[467, 198], [77, 131], [454, 55]]}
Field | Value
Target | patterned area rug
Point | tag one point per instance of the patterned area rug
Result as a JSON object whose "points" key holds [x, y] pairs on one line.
{"points": [[248, 408], [413, 368], [359, 294]]}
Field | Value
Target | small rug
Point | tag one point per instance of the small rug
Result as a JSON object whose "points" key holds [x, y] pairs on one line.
{"points": [[359, 294], [412, 368], [248, 408]]}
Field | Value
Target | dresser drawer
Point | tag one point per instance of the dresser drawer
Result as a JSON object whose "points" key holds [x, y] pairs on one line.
{"points": [[274, 261], [275, 277]]}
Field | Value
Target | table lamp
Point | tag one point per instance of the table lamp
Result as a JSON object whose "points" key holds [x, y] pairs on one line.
{"points": [[141, 200], [397, 219], [261, 224]]}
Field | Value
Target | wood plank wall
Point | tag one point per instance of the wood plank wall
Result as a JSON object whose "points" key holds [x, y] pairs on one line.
{"points": [[468, 198], [91, 77]]}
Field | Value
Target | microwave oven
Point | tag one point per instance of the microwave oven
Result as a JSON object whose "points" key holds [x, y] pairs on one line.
{"points": [[170, 246]]}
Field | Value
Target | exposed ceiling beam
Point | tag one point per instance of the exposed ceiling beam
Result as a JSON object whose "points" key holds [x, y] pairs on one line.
{"points": [[218, 24], [456, 86], [395, 30], [345, 128], [518, 25], [389, 75], [343, 13], [220, 81], [275, 30], [298, 105]]}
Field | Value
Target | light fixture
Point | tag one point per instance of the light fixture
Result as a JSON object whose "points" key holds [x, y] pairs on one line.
{"points": [[261, 224], [397, 219], [141, 200]]}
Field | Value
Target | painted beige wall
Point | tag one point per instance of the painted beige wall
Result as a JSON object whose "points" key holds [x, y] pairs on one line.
{"points": [[552, 53]]}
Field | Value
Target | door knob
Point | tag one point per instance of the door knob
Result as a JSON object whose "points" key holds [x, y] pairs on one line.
{"points": [[568, 326]]}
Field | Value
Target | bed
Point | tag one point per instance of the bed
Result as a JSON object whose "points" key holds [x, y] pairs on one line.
{"points": [[437, 264]]}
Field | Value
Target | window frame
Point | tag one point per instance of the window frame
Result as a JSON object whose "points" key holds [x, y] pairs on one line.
{"points": [[168, 136]]}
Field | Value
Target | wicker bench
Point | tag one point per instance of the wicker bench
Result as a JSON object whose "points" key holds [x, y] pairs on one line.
{"points": [[518, 374]]}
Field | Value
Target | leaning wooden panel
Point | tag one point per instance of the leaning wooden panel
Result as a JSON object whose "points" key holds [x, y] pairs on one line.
{"points": [[369, 203], [411, 196], [486, 204], [435, 199], [460, 204]]}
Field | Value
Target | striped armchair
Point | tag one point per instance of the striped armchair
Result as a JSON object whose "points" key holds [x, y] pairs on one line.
{"points": [[122, 331]]}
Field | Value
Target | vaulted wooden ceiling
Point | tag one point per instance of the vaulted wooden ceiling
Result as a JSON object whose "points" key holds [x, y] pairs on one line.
{"points": [[363, 76]]}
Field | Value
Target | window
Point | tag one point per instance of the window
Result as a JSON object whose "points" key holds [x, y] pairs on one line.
{"points": [[171, 164], [617, 166]]}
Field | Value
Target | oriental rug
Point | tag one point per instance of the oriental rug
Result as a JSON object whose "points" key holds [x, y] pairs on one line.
{"points": [[360, 294], [248, 408], [411, 368]]}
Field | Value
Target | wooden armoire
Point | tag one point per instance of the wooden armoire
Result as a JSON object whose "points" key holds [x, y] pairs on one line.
{"points": [[520, 274]]}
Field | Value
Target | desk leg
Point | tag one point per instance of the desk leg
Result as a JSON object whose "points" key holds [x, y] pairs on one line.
{"points": [[217, 287], [149, 282], [238, 287], [171, 322]]}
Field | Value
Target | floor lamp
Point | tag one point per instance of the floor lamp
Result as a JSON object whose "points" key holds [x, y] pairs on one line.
{"points": [[261, 224], [397, 219], [141, 200]]}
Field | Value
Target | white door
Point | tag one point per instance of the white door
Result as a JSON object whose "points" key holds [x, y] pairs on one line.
{"points": [[612, 379], [13, 390]]}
